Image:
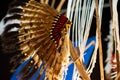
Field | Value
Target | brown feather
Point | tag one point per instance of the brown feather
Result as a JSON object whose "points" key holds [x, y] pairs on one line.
{"points": [[37, 38]]}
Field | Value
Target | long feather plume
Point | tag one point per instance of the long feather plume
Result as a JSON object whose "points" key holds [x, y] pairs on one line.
{"points": [[39, 40]]}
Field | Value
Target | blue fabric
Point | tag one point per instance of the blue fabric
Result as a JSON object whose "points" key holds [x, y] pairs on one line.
{"points": [[89, 51], [37, 73], [87, 57], [70, 72], [15, 74]]}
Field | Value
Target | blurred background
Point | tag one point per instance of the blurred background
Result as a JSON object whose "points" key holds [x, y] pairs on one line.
{"points": [[4, 59]]}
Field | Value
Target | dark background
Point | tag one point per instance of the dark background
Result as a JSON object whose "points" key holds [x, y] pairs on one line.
{"points": [[4, 59]]}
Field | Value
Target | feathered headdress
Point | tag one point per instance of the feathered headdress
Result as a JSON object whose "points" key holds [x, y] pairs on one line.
{"points": [[34, 32]]}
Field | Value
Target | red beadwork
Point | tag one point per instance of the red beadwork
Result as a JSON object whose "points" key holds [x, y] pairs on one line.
{"points": [[59, 26]]}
